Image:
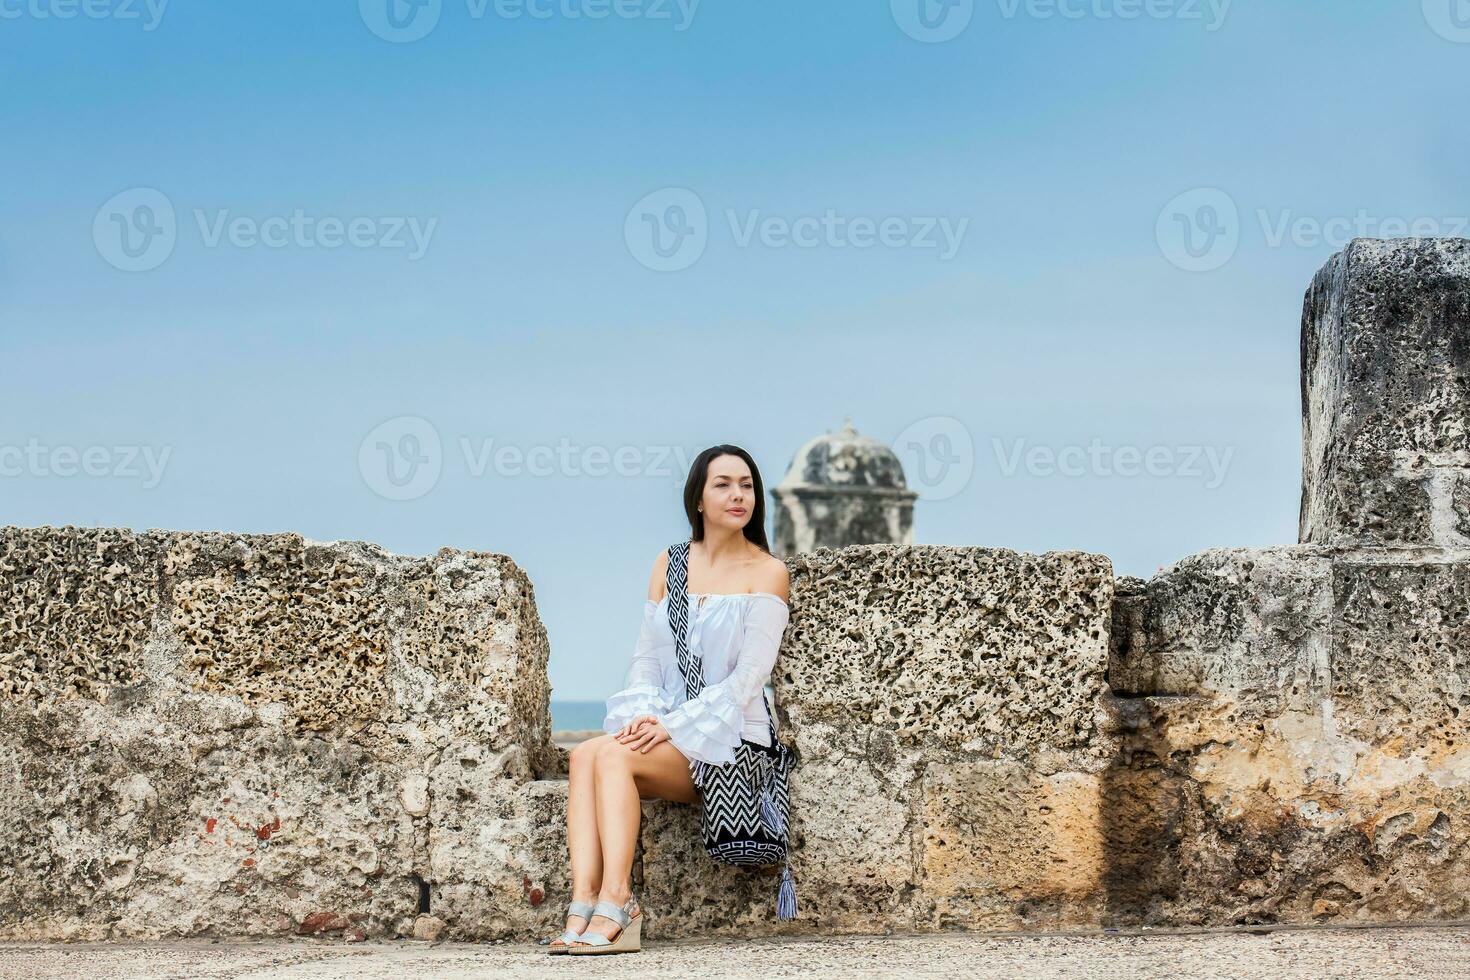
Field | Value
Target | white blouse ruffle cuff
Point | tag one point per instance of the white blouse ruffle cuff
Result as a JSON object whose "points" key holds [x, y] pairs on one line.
{"points": [[630, 703], [708, 728]]}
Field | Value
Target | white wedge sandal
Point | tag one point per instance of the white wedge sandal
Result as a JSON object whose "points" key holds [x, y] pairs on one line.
{"points": [[630, 932], [562, 943]]}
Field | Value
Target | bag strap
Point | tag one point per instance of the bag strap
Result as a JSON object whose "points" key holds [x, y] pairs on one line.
{"points": [[677, 584], [690, 666]]}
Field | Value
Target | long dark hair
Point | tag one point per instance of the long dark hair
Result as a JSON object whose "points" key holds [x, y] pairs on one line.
{"points": [[755, 528]]}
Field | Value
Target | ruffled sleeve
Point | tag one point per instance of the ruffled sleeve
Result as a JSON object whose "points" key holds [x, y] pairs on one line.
{"points": [[708, 727], [642, 692]]}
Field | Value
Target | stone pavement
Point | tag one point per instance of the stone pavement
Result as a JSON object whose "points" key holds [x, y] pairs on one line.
{"points": [[1278, 955]]}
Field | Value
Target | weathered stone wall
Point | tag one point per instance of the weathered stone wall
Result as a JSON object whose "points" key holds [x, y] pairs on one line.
{"points": [[1298, 734], [1275, 735], [1386, 396], [226, 734], [238, 735]]}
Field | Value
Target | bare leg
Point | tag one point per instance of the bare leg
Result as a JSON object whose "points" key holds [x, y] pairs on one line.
{"points": [[583, 844], [624, 775]]}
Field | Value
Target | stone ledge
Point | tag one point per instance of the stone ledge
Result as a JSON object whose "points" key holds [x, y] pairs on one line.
{"points": [[215, 733]]}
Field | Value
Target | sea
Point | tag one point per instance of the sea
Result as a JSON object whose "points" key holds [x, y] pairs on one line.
{"points": [[576, 715]]}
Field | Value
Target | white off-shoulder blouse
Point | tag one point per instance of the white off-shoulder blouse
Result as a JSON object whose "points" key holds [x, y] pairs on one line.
{"points": [[737, 636]]}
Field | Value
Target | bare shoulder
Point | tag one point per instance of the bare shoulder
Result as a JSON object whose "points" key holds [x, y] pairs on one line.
{"points": [[658, 578], [775, 578]]}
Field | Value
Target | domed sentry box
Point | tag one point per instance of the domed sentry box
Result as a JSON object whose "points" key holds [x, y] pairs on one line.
{"points": [[842, 488]]}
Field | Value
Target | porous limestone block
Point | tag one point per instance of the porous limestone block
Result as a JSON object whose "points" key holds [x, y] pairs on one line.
{"points": [[1288, 819], [971, 649], [1306, 752], [1401, 649], [1006, 847], [1250, 623], [852, 801], [497, 860], [275, 619], [348, 632], [1385, 351], [128, 824], [76, 608], [469, 622], [1380, 633], [209, 733]]}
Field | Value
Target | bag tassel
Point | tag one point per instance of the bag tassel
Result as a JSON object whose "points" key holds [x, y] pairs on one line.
{"points": [[770, 813], [786, 897]]}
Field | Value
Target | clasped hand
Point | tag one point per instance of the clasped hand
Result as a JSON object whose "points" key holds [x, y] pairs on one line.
{"points": [[642, 733]]}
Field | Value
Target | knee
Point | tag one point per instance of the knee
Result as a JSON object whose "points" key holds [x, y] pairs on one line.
{"points": [[610, 754], [585, 753]]}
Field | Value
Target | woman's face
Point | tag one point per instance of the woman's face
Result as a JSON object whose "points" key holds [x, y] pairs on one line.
{"points": [[729, 493]]}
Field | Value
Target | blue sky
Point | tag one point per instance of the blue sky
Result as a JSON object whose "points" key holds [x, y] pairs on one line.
{"points": [[288, 325]]}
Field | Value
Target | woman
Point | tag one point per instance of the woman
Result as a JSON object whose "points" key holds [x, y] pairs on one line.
{"points": [[738, 611]]}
